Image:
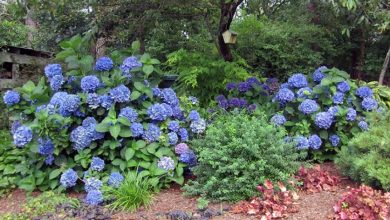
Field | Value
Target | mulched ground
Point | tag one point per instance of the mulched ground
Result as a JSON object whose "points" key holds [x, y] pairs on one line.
{"points": [[311, 205]]}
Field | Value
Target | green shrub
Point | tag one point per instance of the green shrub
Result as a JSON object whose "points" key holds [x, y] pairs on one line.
{"points": [[367, 157], [204, 75], [237, 153], [135, 191]]}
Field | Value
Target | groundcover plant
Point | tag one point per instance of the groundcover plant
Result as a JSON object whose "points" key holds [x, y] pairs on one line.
{"points": [[87, 122]]}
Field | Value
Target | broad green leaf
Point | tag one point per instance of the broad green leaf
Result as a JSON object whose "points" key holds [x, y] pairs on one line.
{"points": [[102, 127], [124, 121], [148, 69], [125, 132], [129, 154], [114, 130], [53, 174], [140, 144], [135, 95]]}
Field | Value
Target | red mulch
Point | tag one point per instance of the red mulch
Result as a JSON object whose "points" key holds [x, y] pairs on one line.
{"points": [[311, 205]]}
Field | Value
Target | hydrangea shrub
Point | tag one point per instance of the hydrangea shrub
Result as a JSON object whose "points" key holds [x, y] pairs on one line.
{"points": [[100, 120], [321, 111]]}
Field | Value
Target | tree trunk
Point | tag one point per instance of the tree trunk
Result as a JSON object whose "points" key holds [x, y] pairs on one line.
{"points": [[100, 47], [32, 26], [228, 9], [384, 67], [361, 55]]}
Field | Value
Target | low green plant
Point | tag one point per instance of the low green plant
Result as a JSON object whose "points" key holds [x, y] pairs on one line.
{"points": [[238, 152], [135, 191], [202, 203], [367, 157], [40, 205]]}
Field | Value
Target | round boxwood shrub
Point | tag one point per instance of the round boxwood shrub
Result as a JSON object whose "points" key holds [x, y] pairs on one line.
{"points": [[238, 152]]}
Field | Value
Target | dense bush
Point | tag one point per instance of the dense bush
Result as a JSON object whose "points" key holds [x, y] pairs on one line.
{"points": [[99, 118], [204, 75], [367, 157], [238, 152], [320, 111], [281, 48], [13, 33]]}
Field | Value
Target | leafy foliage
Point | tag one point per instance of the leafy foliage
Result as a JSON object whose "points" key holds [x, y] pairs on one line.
{"points": [[204, 75], [316, 180], [366, 158], [134, 192], [65, 130], [275, 202], [40, 205], [363, 203], [12, 33], [279, 48], [237, 152]]}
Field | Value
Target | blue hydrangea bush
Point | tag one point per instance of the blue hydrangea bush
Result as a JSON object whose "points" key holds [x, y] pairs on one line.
{"points": [[321, 111], [87, 123]]}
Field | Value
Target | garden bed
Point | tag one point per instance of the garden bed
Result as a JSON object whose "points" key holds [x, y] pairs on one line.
{"points": [[310, 205]]}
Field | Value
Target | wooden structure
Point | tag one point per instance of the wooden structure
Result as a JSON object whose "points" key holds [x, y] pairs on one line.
{"points": [[229, 37], [18, 65]]}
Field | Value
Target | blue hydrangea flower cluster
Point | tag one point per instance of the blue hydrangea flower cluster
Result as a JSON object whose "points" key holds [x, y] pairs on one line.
{"points": [[198, 126], [52, 70], [104, 64], [69, 178], [80, 137], [129, 113], [301, 142], [369, 104], [22, 136], [351, 114], [364, 92], [89, 83], [169, 96], [56, 82], [137, 129], [284, 95], [152, 134], [159, 112], [244, 87], [297, 80], [93, 100], [94, 197], [323, 120], [183, 133], [106, 101], [193, 115], [188, 157], [181, 148], [46, 148], [308, 106], [230, 86], [343, 87], [338, 98], [129, 64], [65, 103], [97, 164], [304, 92], [333, 110], [363, 125], [166, 163], [115, 179], [278, 119], [120, 94], [315, 142], [92, 184], [172, 138], [334, 140], [174, 126], [11, 97], [318, 74]]}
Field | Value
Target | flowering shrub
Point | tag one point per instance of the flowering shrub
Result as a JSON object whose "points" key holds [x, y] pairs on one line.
{"points": [[363, 203], [273, 203], [321, 111], [105, 119]]}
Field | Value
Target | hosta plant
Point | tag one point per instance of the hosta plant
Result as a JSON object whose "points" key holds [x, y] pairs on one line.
{"points": [[88, 121], [320, 111]]}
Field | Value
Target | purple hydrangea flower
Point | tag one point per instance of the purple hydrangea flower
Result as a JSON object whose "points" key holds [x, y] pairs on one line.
{"points": [[244, 87], [104, 64], [181, 148], [230, 86], [11, 97]]}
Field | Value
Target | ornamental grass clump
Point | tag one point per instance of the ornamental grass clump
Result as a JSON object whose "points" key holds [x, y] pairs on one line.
{"points": [[238, 152], [105, 118], [325, 107]]}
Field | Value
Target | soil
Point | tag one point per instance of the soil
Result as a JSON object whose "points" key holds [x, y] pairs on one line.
{"points": [[169, 202]]}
